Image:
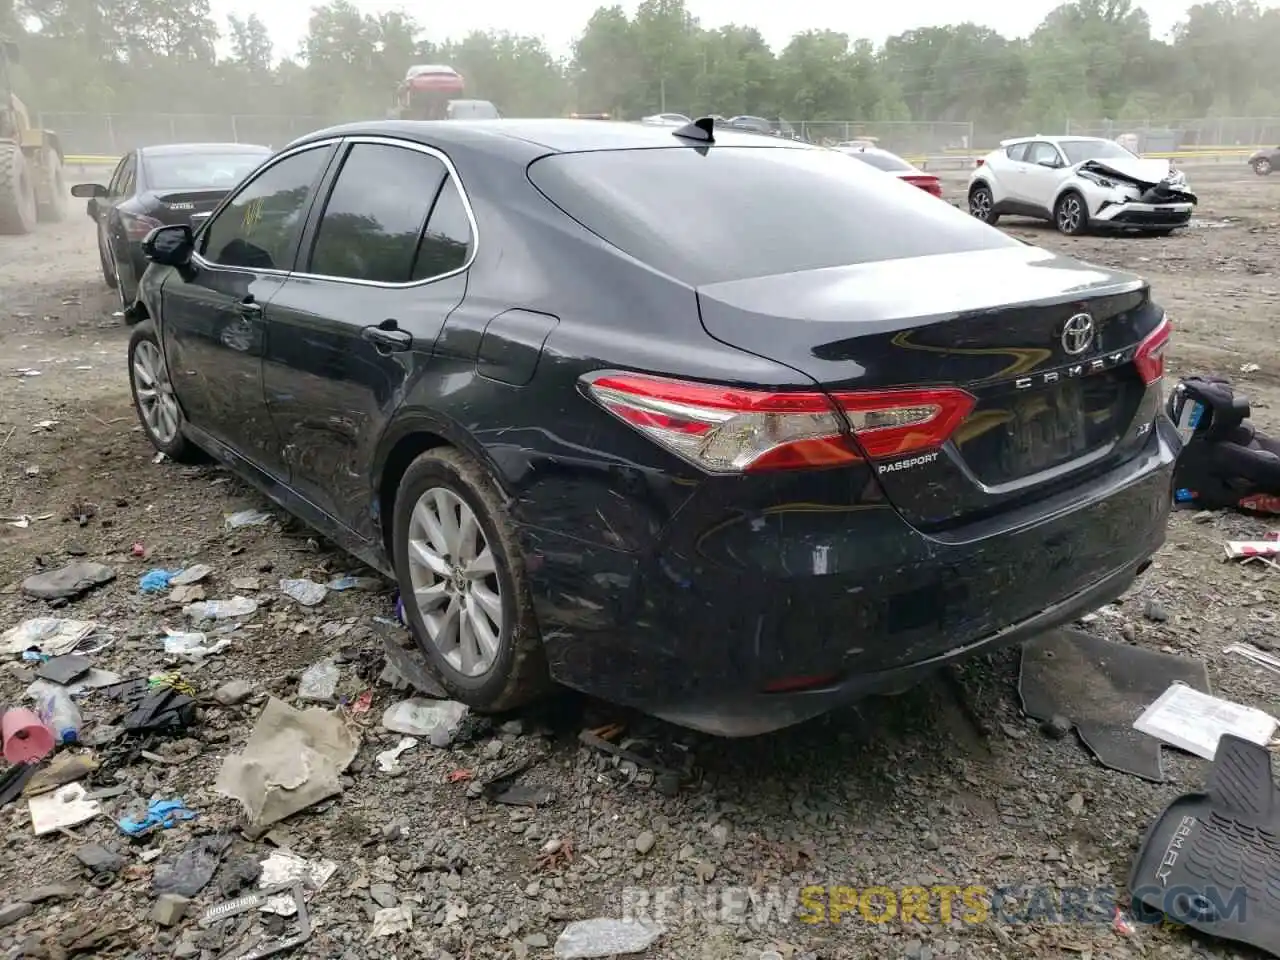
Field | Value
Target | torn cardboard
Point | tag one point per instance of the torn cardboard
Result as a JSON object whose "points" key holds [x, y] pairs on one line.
{"points": [[294, 759]]}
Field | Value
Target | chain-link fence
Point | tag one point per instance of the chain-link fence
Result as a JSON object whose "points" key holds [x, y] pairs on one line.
{"points": [[1155, 133], [109, 135], [908, 137]]}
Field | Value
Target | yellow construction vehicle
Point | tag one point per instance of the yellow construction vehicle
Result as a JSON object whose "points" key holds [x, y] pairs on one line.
{"points": [[32, 185]]}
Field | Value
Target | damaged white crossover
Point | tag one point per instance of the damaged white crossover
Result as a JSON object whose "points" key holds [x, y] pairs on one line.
{"points": [[1080, 184]]}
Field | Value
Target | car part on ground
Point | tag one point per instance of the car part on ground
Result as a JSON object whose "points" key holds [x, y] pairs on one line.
{"points": [[1080, 184], [736, 484], [32, 186]]}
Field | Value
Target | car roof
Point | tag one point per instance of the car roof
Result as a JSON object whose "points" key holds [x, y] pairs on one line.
{"points": [[552, 135], [1052, 138], [183, 149]]}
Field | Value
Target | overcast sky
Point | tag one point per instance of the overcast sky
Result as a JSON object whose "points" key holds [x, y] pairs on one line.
{"points": [[558, 22]]}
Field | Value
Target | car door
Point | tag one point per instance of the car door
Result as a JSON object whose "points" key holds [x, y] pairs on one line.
{"points": [[358, 321], [214, 315], [1041, 180]]}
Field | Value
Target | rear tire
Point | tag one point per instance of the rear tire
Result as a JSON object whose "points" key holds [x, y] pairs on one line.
{"points": [[434, 581], [982, 205], [54, 209], [158, 409], [1262, 166], [18, 211], [108, 268], [1071, 214]]}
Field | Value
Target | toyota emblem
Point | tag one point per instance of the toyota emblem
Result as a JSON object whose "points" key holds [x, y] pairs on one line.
{"points": [[1077, 334]]}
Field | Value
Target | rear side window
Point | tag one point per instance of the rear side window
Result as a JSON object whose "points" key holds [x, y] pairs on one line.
{"points": [[447, 239], [1018, 151], [375, 214], [729, 213]]}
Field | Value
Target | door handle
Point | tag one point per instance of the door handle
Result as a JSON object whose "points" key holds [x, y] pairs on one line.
{"points": [[249, 308], [388, 337]]}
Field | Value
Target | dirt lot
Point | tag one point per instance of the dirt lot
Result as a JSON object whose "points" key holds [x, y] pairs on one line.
{"points": [[914, 790]]}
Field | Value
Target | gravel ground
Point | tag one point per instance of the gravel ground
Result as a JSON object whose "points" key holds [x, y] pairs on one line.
{"points": [[925, 789]]}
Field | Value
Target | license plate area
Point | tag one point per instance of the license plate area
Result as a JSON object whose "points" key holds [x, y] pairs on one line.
{"points": [[1045, 428]]}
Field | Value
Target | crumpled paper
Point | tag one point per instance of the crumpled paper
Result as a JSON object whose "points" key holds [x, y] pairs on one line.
{"points": [[294, 759]]}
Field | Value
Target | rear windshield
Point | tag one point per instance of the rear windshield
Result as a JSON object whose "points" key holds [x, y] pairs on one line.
{"points": [[728, 213], [200, 171], [881, 161]]}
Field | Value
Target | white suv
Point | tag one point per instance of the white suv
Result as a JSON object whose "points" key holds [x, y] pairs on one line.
{"points": [[1079, 184]]}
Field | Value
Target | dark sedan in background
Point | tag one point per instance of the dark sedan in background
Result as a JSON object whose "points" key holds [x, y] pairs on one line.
{"points": [[717, 425], [154, 186]]}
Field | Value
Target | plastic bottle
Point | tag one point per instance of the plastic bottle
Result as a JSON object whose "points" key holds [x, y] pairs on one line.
{"points": [[60, 714]]}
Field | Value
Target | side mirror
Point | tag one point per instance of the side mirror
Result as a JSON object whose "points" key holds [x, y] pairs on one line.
{"points": [[88, 191], [1051, 163], [169, 246]]}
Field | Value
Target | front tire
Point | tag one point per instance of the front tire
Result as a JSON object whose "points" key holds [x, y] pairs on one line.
{"points": [[1071, 215], [153, 397], [462, 580], [1262, 166], [982, 205]]}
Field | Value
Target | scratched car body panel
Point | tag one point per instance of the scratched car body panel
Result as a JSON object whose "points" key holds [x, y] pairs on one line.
{"points": [[761, 458]]}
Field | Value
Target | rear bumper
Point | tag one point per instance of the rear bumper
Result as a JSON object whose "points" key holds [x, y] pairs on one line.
{"points": [[1144, 216], [696, 630]]}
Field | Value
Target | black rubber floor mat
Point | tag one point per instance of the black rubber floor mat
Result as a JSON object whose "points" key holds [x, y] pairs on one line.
{"points": [[1102, 687], [1212, 859]]}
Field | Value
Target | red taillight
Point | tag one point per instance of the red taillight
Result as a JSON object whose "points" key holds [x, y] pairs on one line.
{"points": [[137, 226], [979, 162], [1149, 357], [729, 430], [926, 182]]}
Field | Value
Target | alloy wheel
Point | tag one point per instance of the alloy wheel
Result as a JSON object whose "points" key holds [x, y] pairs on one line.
{"points": [[455, 582], [156, 402], [1262, 166], [1069, 213], [980, 204]]}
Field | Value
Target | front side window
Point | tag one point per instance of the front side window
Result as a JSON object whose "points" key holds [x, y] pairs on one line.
{"points": [[260, 227], [117, 177], [1043, 152], [372, 223]]}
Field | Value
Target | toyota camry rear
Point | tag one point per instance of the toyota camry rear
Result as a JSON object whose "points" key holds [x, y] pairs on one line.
{"points": [[827, 434]]}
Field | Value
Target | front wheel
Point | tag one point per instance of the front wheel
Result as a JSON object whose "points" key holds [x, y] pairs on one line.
{"points": [[1070, 215], [1262, 166], [153, 397], [982, 205], [463, 586]]}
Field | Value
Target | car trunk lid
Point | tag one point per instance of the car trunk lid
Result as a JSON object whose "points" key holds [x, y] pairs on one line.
{"points": [[992, 322], [184, 206]]}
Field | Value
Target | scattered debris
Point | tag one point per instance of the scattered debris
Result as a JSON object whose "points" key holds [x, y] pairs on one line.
{"points": [[1194, 721], [308, 593], [437, 720], [191, 872], [389, 760], [61, 809], [605, 937], [48, 636], [158, 814], [221, 609], [246, 518], [319, 681], [69, 582], [293, 759]]}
